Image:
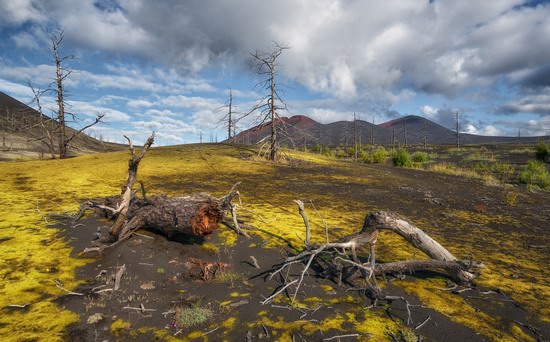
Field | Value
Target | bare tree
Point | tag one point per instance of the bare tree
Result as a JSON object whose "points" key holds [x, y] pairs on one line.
{"points": [[355, 137], [425, 133], [62, 116], [264, 63], [229, 119], [405, 133], [457, 128], [47, 126], [320, 136], [372, 132]]}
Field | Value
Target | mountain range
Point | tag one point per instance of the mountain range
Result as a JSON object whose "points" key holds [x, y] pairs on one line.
{"points": [[21, 133], [300, 131]]}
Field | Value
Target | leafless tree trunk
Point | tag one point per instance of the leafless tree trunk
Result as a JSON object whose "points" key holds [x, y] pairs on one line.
{"points": [[229, 119], [415, 236], [355, 137], [61, 73], [392, 138], [47, 129], [425, 134], [127, 189], [457, 128], [372, 133], [265, 65], [320, 137], [344, 251], [405, 133]]}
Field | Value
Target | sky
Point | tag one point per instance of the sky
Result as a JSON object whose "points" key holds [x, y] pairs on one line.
{"points": [[167, 66]]}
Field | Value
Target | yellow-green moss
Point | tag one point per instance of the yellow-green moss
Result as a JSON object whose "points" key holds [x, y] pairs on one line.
{"points": [[229, 323], [28, 190], [327, 288], [210, 247], [119, 326], [236, 294], [455, 307]]}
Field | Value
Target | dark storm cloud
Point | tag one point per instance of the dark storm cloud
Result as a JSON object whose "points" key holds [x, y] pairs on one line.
{"points": [[342, 48], [537, 78]]}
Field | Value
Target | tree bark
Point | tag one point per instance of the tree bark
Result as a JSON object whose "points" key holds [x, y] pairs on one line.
{"points": [[194, 215]]}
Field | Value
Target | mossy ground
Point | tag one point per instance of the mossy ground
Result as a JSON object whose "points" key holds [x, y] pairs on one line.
{"points": [[341, 193]]}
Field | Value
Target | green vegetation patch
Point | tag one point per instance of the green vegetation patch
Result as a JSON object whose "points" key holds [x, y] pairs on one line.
{"points": [[192, 317], [535, 175]]}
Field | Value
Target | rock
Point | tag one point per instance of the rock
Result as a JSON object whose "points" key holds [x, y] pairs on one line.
{"points": [[95, 318]]}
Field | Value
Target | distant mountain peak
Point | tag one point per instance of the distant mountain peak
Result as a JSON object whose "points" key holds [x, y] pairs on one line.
{"points": [[400, 121], [300, 121]]}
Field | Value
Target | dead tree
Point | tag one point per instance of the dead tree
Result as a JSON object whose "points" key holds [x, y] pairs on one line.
{"points": [[345, 138], [264, 63], [425, 134], [457, 128], [405, 141], [192, 215], [62, 116], [229, 120], [355, 138], [47, 126], [372, 132], [128, 188], [334, 256]]}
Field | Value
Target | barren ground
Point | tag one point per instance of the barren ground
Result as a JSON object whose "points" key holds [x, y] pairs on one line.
{"points": [[465, 215]]}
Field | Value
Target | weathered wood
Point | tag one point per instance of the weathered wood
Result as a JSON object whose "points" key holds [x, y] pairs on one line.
{"points": [[416, 237], [411, 266], [304, 217], [196, 215], [127, 188]]}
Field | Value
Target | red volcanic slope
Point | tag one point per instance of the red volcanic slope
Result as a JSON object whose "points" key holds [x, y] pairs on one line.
{"points": [[300, 121]]}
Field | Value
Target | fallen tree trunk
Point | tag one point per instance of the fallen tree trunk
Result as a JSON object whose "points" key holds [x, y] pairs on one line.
{"points": [[195, 215], [331, 257], [416, 237]]}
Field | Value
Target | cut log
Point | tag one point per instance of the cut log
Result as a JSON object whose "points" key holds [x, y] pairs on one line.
{"points": [[416, 237], [196, 215]]}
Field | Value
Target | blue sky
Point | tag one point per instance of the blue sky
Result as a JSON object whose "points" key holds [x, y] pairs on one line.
{"points": [[166, 66]]}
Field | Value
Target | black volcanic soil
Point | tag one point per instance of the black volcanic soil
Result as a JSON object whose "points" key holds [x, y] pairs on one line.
{"points": [[161, 275]]}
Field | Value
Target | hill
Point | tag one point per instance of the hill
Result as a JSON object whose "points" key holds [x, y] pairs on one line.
{"points": [[301, 130], [22, 133]]}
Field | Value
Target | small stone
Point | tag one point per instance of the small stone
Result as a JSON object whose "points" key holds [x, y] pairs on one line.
{"points": [[148, 286], [95, 318]]}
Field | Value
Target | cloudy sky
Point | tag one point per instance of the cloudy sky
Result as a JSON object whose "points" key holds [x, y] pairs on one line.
{"points": [[167, 66]]}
